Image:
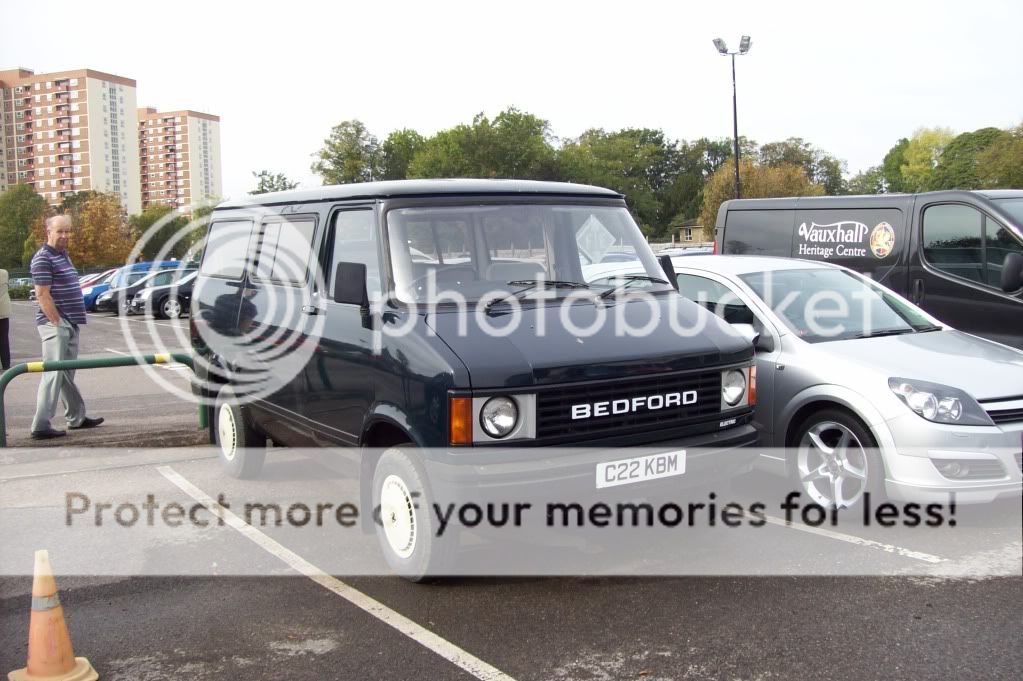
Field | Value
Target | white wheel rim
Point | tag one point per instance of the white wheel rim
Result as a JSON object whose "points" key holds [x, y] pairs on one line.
{"points": [[227, 431], [830, 462], [398, 516], [172, 308]]}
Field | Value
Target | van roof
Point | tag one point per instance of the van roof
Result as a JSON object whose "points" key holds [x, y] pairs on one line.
{"points": [[866, 200], [411, 188]]}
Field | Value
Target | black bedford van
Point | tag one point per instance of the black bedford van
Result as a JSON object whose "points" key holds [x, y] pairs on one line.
{"points": [[956, 254], [444, 328]]}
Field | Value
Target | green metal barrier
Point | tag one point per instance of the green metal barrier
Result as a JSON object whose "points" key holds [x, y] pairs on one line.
{"points": [[96, 363]]}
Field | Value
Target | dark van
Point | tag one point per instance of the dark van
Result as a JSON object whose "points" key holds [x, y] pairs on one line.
{"points": [[957, 254], [380, 316]]}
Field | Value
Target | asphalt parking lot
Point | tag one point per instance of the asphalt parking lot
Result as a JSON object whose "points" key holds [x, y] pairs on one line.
{"points": [[240, 603]]}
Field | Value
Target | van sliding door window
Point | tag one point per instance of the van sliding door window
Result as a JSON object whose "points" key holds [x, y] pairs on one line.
{"points": [[284, 251], [227, 248]]}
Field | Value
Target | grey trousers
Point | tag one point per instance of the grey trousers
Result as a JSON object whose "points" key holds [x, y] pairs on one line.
{"points": [[59, 342]]}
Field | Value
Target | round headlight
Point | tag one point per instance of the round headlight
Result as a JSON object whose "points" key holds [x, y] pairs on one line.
{"points": [[499, 416], [733, 387], [950, 409]]}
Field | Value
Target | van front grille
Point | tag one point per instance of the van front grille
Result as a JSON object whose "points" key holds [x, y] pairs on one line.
{"points": [[554, 406]]}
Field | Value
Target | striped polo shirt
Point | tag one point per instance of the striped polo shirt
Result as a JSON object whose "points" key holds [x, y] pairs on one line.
{"points": [[53, 268]]}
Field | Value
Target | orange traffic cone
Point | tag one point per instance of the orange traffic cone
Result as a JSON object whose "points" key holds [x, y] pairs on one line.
{"points": [[50, 657]]}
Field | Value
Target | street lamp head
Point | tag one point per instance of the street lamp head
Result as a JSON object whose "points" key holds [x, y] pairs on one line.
{"points": [[720, 44], [744, 44]]}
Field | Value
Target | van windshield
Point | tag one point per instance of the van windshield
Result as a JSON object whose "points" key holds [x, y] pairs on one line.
{"points": [[826, 305], [448, 254]]}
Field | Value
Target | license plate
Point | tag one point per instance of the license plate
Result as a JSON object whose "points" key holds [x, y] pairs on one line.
{"points": [[640, 469]]}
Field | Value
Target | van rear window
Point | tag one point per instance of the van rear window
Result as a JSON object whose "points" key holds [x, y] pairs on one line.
{"points": [[759, 232]]}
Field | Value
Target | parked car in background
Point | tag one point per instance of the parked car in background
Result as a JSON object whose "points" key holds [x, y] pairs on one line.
{"points": [[893, 401], [90, 279], [956, 254], [119, 299], [167, 300], [121, 277]]}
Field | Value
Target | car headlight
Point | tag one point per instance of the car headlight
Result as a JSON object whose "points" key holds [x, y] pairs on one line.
{"points": [[106, 296], [87, 291], [733, 387], [499, 416], [143, 294], [939, 403]]}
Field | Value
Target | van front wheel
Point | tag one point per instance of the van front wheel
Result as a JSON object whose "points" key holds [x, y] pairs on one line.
{"points": [[404, 525], [242, 448]]}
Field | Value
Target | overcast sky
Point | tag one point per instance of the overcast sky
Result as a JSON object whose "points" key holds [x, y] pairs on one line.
{"points": [[851, 78]]}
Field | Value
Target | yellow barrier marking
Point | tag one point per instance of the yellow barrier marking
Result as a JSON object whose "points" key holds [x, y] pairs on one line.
{"points": [[35, 367], [161, 358]]}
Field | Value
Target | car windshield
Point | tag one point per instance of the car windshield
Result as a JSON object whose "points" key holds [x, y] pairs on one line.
{"points": [[447, 254], [826, 305]]}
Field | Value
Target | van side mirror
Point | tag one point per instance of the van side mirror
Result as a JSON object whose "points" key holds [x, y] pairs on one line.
{"points": [[669, 270], [761, 342], [1012, 272], [350, 284]]}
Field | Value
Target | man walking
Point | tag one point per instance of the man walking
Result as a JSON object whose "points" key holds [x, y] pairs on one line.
{"points": [[61, 311]]}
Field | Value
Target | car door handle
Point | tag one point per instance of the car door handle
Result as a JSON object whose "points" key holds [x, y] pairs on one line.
{"points": [[310, 309], [918, 290]]}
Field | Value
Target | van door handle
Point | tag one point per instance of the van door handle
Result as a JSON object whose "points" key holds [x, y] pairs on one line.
{"points": [[918, 291], [310, 309]]}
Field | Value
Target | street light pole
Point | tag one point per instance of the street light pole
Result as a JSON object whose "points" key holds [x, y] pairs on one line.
{"points": [[744, 46]]}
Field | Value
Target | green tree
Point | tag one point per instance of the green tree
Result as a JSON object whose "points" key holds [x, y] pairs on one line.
{"points": [[621, 161], [957, 168], [891, 167], [399, 149], [1000, 165], [922, 156], [870, 181], [20, 209], [820, 167], [172, 223], [758, 181], [514, 145], [271, 182], [351, 154]]}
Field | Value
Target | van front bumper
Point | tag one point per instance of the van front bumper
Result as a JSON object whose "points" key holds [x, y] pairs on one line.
{"points": [[560, 473]]}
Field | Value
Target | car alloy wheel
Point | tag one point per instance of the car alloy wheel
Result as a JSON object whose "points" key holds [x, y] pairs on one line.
{"points": [[832, 465], [398, 516], [171, 308]]}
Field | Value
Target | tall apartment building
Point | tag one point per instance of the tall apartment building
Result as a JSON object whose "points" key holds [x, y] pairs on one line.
{"points": [[180, 157], [70, 131]]}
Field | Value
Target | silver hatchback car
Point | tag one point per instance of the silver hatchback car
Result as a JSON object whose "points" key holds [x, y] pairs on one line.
{"points": [[859, 390]]}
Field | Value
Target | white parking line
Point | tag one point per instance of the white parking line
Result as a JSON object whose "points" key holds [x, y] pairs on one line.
{"points": [[426, 638], [859, 541]]}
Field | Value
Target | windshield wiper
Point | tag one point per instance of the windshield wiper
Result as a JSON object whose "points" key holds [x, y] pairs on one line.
{"points": [[531, 284], [629, 278], [884, 332]]}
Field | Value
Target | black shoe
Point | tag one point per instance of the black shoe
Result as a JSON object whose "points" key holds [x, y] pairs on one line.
{"points": [[47, 434], [88, 423]]}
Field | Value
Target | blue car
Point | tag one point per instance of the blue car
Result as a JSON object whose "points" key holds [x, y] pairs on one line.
{"points": [[122, 277]]}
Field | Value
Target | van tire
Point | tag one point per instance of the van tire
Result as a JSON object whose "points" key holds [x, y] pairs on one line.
{"points": [[403, 521], [849, 451], [241, 448]]}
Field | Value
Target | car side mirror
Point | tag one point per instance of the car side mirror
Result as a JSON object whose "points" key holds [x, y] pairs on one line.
{"points": [[669, 270], [1012, 272], [350, 284]]}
